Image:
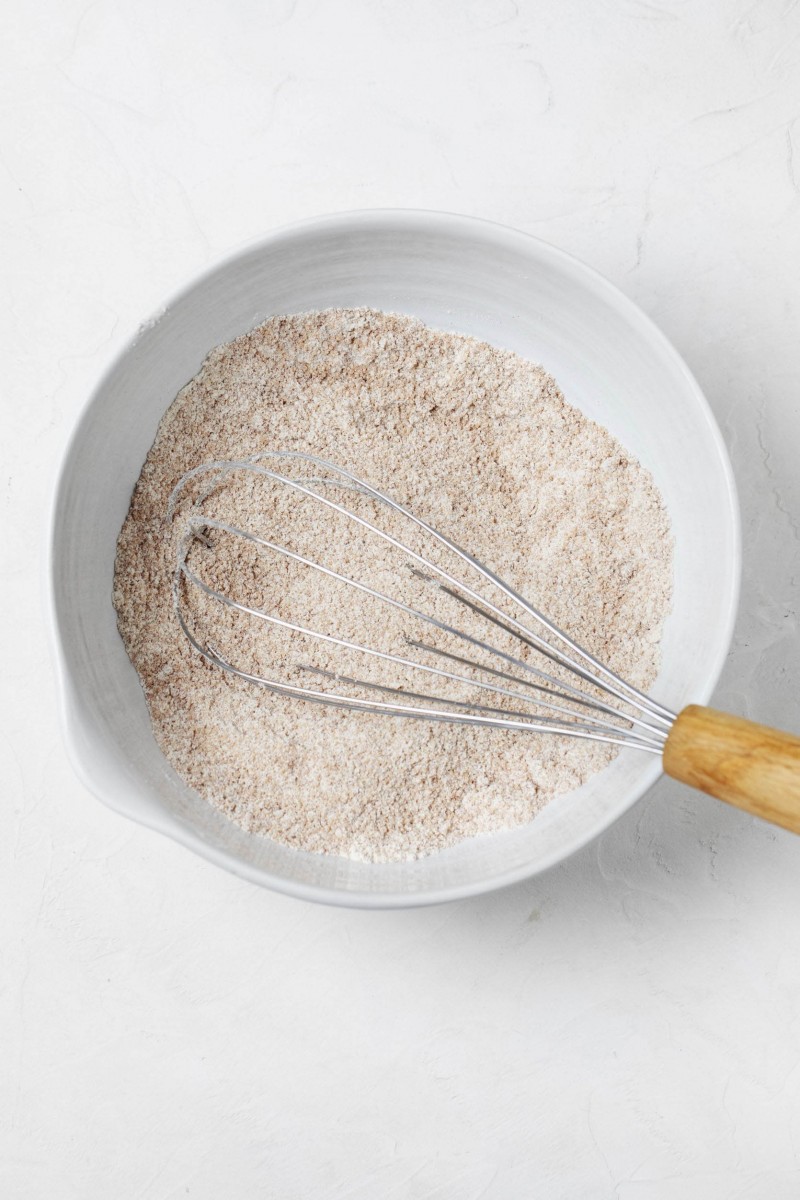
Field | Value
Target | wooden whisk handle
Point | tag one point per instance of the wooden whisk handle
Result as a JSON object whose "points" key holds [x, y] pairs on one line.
{"points": [[749, 765]]}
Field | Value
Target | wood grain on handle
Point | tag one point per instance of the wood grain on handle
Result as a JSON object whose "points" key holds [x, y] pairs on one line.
{"points": [[752, 766]]}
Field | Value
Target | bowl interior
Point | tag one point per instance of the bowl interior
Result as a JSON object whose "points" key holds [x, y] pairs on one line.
{"points": [[455, 274]]}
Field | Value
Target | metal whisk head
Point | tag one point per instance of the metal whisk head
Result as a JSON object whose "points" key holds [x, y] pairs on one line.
{"points": [[474, 651]]}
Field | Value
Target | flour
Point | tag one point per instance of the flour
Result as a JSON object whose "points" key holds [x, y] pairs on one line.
{"points": [[478, 442]]}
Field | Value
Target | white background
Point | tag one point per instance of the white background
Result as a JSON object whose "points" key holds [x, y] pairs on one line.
{"points": [[627, 1025]]}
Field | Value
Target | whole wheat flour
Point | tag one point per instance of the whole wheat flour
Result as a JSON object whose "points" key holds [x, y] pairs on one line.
{"points": [[475, 440]]}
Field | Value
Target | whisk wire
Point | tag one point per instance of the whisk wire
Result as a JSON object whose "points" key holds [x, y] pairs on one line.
{"points": [[397, 660], [557, 689], [652, 720]]}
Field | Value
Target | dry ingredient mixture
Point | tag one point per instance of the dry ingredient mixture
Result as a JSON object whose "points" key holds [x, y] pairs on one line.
{"points": [[480, 443]]}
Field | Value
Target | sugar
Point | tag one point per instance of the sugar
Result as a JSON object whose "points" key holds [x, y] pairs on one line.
{"points": [[475, 440]]}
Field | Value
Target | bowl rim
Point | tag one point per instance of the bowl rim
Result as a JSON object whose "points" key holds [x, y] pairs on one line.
{"points": [[350, 221]]}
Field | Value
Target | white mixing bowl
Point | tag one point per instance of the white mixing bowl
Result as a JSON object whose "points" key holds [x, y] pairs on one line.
{"points": [[454, 273]]}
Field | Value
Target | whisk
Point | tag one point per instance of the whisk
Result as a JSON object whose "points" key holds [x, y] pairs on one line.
{"points": [[542, 682]]}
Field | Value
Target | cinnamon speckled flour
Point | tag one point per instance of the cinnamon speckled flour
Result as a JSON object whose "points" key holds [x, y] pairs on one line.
{"points": [[475, 440]]}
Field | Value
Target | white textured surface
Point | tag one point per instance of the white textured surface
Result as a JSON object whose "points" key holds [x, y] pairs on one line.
{"points": [[625, 1026]]}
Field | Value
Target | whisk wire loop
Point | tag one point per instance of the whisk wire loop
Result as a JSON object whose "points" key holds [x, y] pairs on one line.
{"points": [[644, 728]]}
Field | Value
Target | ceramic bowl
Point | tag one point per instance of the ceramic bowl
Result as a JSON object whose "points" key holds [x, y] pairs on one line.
{"points": [[454, 273]]}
